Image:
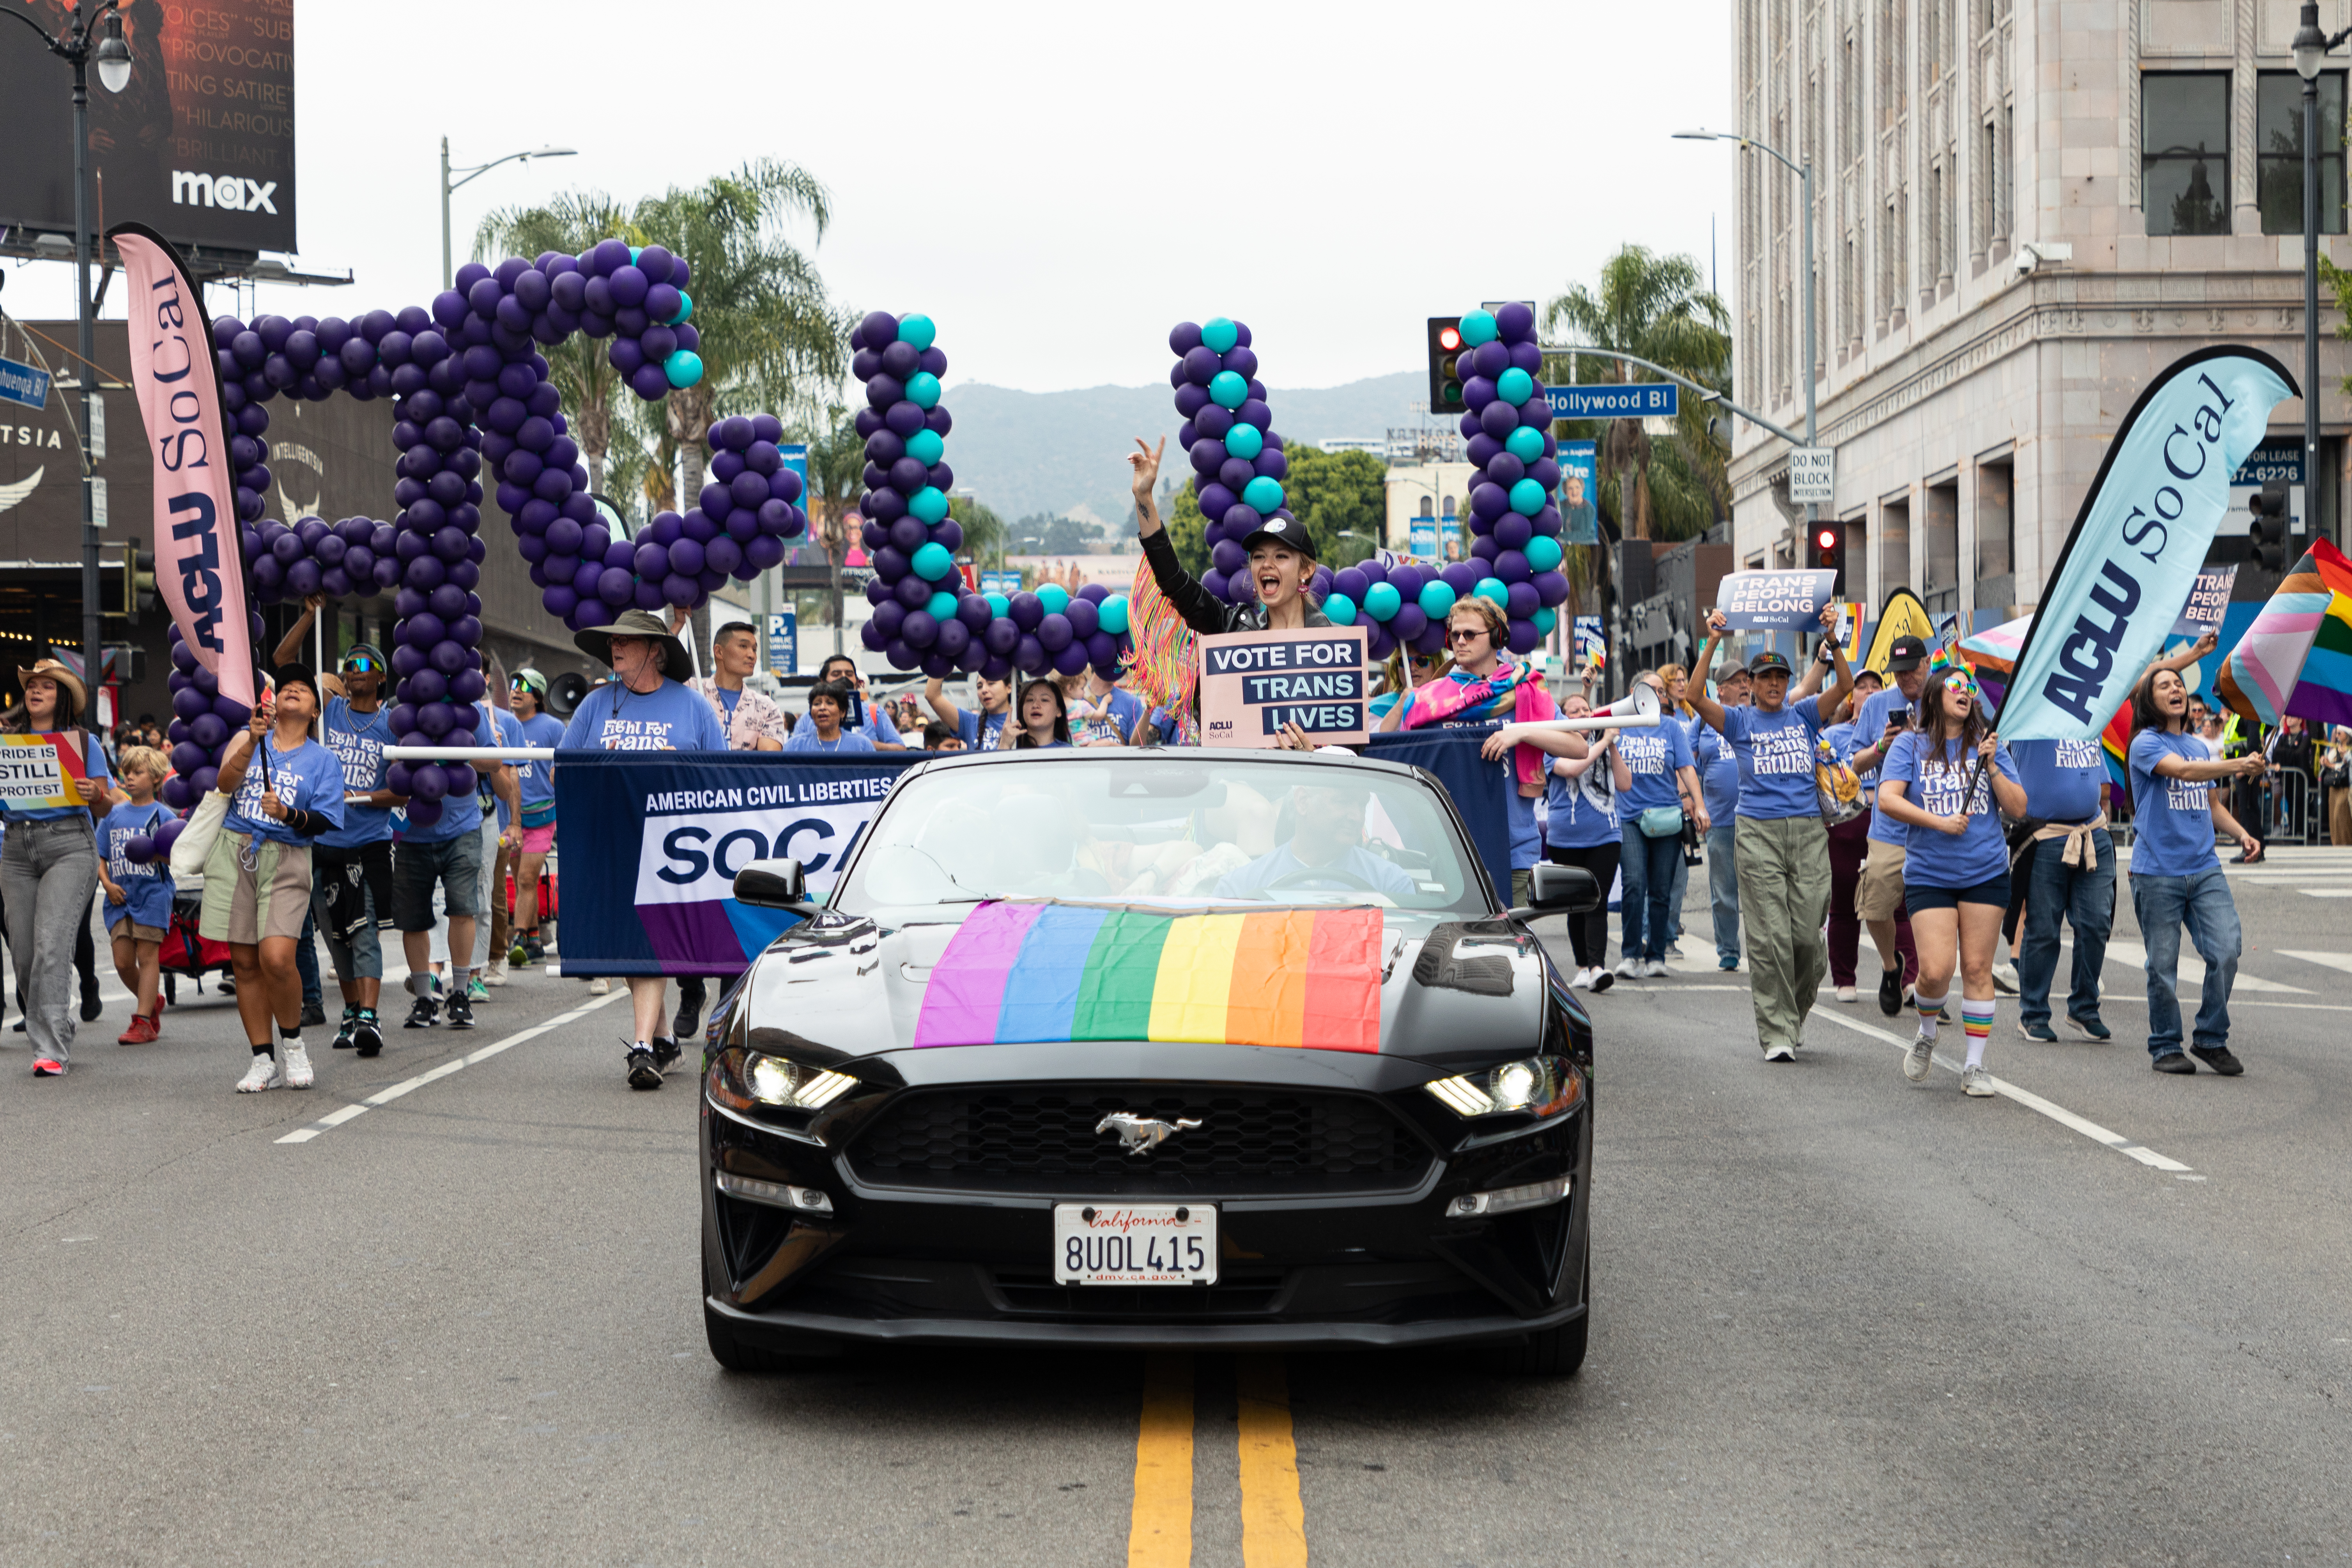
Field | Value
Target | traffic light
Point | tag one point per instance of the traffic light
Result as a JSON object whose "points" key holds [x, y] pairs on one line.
{"points": [[1825, 549], [2267, 536], [1445, 377]]}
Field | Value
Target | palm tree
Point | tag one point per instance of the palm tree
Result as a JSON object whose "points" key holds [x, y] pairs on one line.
{"points": [[1655, 306], [571, 223], [836, 469]]}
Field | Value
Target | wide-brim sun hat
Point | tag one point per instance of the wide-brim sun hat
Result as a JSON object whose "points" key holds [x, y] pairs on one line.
{"points": [[596, 642], [53, 671]]}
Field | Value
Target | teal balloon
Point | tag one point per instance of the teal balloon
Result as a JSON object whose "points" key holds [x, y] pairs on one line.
{"points": [[636, 251], [999, 606], [1542, 553], [926, 447], [1112, 616], [684, 367], [930, 504], [918, 331], [1526, 443], [1478, 327], [1546, 619], [1381, 601], [1228, 390], [1436, 599], [1515, 387], [1527, 498], [1493, 588], [932, 562], [685, 309], [1263, 493], [1340, 609], [923, 389], [942, 604], [1244, 441], [1218, 334], [1053, 595]]}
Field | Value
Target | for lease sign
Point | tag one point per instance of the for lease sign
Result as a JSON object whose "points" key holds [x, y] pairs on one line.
{"points": [[1254, 684]]}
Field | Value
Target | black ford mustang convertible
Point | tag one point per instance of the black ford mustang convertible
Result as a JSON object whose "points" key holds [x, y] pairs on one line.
{"points": [[1152, 1049]]}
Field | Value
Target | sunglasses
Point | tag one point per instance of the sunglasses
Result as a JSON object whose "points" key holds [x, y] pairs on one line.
{"points": [[1465, 633], [363, 664]]}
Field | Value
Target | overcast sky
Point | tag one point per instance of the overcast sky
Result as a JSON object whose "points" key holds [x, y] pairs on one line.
{"points": [[1055, 186]]}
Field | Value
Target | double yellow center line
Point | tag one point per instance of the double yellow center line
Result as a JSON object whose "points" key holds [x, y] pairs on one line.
{"points": [[1274, 1520]]}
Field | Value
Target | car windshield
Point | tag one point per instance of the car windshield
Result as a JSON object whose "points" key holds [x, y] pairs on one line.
{"points": [[1190, 826]]}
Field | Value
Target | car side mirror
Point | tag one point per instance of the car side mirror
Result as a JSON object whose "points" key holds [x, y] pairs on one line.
{"points": [[781, 885], [1559, 891]]}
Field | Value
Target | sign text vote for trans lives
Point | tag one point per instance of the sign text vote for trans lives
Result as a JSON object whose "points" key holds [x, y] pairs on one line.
{"points": [[1252, 684]]}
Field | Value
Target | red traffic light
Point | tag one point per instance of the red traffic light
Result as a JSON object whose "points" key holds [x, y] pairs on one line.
{"points": [[1826, 540], [1450, 339]]}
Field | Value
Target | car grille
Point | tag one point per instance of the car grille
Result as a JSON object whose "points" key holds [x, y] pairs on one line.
{"points": [[1246, 1136]]}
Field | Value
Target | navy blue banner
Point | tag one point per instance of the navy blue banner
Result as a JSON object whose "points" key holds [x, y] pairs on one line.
{"points": [[1481, 789]]}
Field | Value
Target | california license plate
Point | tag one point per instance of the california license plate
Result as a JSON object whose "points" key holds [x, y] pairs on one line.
{"points": [[1135, 1244]]}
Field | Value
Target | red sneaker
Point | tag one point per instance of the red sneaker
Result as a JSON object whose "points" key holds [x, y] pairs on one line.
{"points": [[142, 1031], [44, 1067]]}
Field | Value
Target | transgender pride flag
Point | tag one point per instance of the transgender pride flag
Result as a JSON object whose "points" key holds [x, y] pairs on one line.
{"points": [[2296, 659]]}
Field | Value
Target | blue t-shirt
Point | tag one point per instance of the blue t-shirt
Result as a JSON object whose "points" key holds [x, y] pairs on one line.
{"points": [[1869, 725], [2172, 819], [460, 815], [149, 886], [93, 766], [977, 736], [1355, 862], [1576, 818], [670, 718], [306, 778], [1776, 759], [728, 700], [1718, 772], [1652, 756], [2062, 778], [875, 726], [803, 738], [1937, 786], [1118, 713], [509, 729], [536, 781], [358, 741]]}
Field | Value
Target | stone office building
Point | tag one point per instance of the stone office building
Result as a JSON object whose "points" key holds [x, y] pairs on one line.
{"points": [[1970, 369]]}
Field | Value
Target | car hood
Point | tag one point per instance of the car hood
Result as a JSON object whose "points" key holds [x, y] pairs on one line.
{"points": [[840, 988]]}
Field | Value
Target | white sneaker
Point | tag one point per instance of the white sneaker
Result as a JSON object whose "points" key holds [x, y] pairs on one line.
{"points": [[1583, 981], [496, 975], [1919, 1058], [1655, 970], [1780, 1054], [1632, 969], [1675, 951], [1847, 993], [298, 1067], [261, 1075], [1976, 1082], [2004, 978], [600, 986]]}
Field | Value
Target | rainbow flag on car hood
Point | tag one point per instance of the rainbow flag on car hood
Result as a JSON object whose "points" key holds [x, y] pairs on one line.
{"points": [[1022, 972]]}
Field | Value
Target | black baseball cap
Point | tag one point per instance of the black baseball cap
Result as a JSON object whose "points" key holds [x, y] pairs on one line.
{"points": [[1905, 653], [297, 675], [1768, 663], [1286, 531]]}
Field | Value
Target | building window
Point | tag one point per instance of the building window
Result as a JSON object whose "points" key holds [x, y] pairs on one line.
{"points": [[2278, 144], [2184, 159]]}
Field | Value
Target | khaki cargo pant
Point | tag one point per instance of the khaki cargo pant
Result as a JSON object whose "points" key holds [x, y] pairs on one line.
{"points": [[1784, 897]]}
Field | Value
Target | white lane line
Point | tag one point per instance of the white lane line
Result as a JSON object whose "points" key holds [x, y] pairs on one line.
{"points": [[2026, 1097], [335, 1119], [2342, 960], [2326, 892], [2192, 969]]}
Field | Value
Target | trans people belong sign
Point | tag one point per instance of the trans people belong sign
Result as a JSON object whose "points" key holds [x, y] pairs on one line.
{"points": [[2139, 541], [1752, 599], [657, 837]]}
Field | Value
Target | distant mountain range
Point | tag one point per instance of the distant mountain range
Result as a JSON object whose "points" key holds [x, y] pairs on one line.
{"points": [[1055, 452]]}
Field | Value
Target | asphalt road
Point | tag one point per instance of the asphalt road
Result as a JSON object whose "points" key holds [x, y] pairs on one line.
{"points": [[1841, 1319]]}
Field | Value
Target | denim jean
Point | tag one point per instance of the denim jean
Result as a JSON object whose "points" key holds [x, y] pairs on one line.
{"points": [[1677, 887], [1647, 865], [2202, 903], [51, 870], [2086, 897], [1723, 888]]}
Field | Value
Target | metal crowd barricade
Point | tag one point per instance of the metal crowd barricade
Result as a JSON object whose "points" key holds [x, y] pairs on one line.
{"points": [[2295, 814]]}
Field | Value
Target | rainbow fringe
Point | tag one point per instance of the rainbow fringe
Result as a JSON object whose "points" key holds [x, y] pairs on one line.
{"points": [[1162, 662]]}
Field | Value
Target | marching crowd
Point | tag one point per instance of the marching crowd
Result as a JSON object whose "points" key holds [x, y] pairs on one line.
{"points": [[1819, 805]]}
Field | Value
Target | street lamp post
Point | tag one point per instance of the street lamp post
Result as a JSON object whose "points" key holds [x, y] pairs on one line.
{"points": [[473, 172], [2311, 47], [1804, 173], [80, 46]]}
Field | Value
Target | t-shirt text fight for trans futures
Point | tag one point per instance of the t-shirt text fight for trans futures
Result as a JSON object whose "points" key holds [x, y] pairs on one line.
{"points": [[1652, 756], [306, 778], [358, 741], [1950, 785], [1776, 758], [667, 719], [2172, 819], [1869, 727]]}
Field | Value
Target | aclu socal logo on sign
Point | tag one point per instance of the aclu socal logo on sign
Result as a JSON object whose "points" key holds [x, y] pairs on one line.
{"points": [[231, 193], [1254, 684]]}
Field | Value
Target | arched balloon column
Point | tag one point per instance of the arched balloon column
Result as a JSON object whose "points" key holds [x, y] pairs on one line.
{"points": [[925, 615], [1238, 464]]}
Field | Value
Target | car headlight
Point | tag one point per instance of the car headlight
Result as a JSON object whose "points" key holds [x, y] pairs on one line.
{"points": [[1542, 1086], [740, 1080]]}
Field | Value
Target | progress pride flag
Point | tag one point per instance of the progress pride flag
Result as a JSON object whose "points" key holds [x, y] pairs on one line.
{"points": [[197, 568]]}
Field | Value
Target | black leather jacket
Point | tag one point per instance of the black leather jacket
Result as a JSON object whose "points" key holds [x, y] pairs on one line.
{"points": [[1202, 611]]}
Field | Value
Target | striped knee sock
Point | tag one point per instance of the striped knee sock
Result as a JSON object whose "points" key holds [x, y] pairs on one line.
{"points": [[1929, 1007], [1976, 1018]]}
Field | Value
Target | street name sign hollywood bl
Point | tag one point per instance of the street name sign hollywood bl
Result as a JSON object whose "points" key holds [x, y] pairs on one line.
{"points": [[1616, 400], [1813, 475]]}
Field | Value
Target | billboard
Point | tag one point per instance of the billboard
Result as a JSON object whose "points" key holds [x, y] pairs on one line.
{"points": [[199, 145]]}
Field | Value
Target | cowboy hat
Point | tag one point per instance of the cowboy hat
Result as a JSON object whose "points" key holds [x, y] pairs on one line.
{"points": [[63, 677], [596, 642]]}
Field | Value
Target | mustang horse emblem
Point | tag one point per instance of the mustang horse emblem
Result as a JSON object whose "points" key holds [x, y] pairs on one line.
{"points": [[1141, 1134]]}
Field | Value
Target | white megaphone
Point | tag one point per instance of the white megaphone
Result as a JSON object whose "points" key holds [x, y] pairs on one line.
{"points": [[1637, 710]]}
